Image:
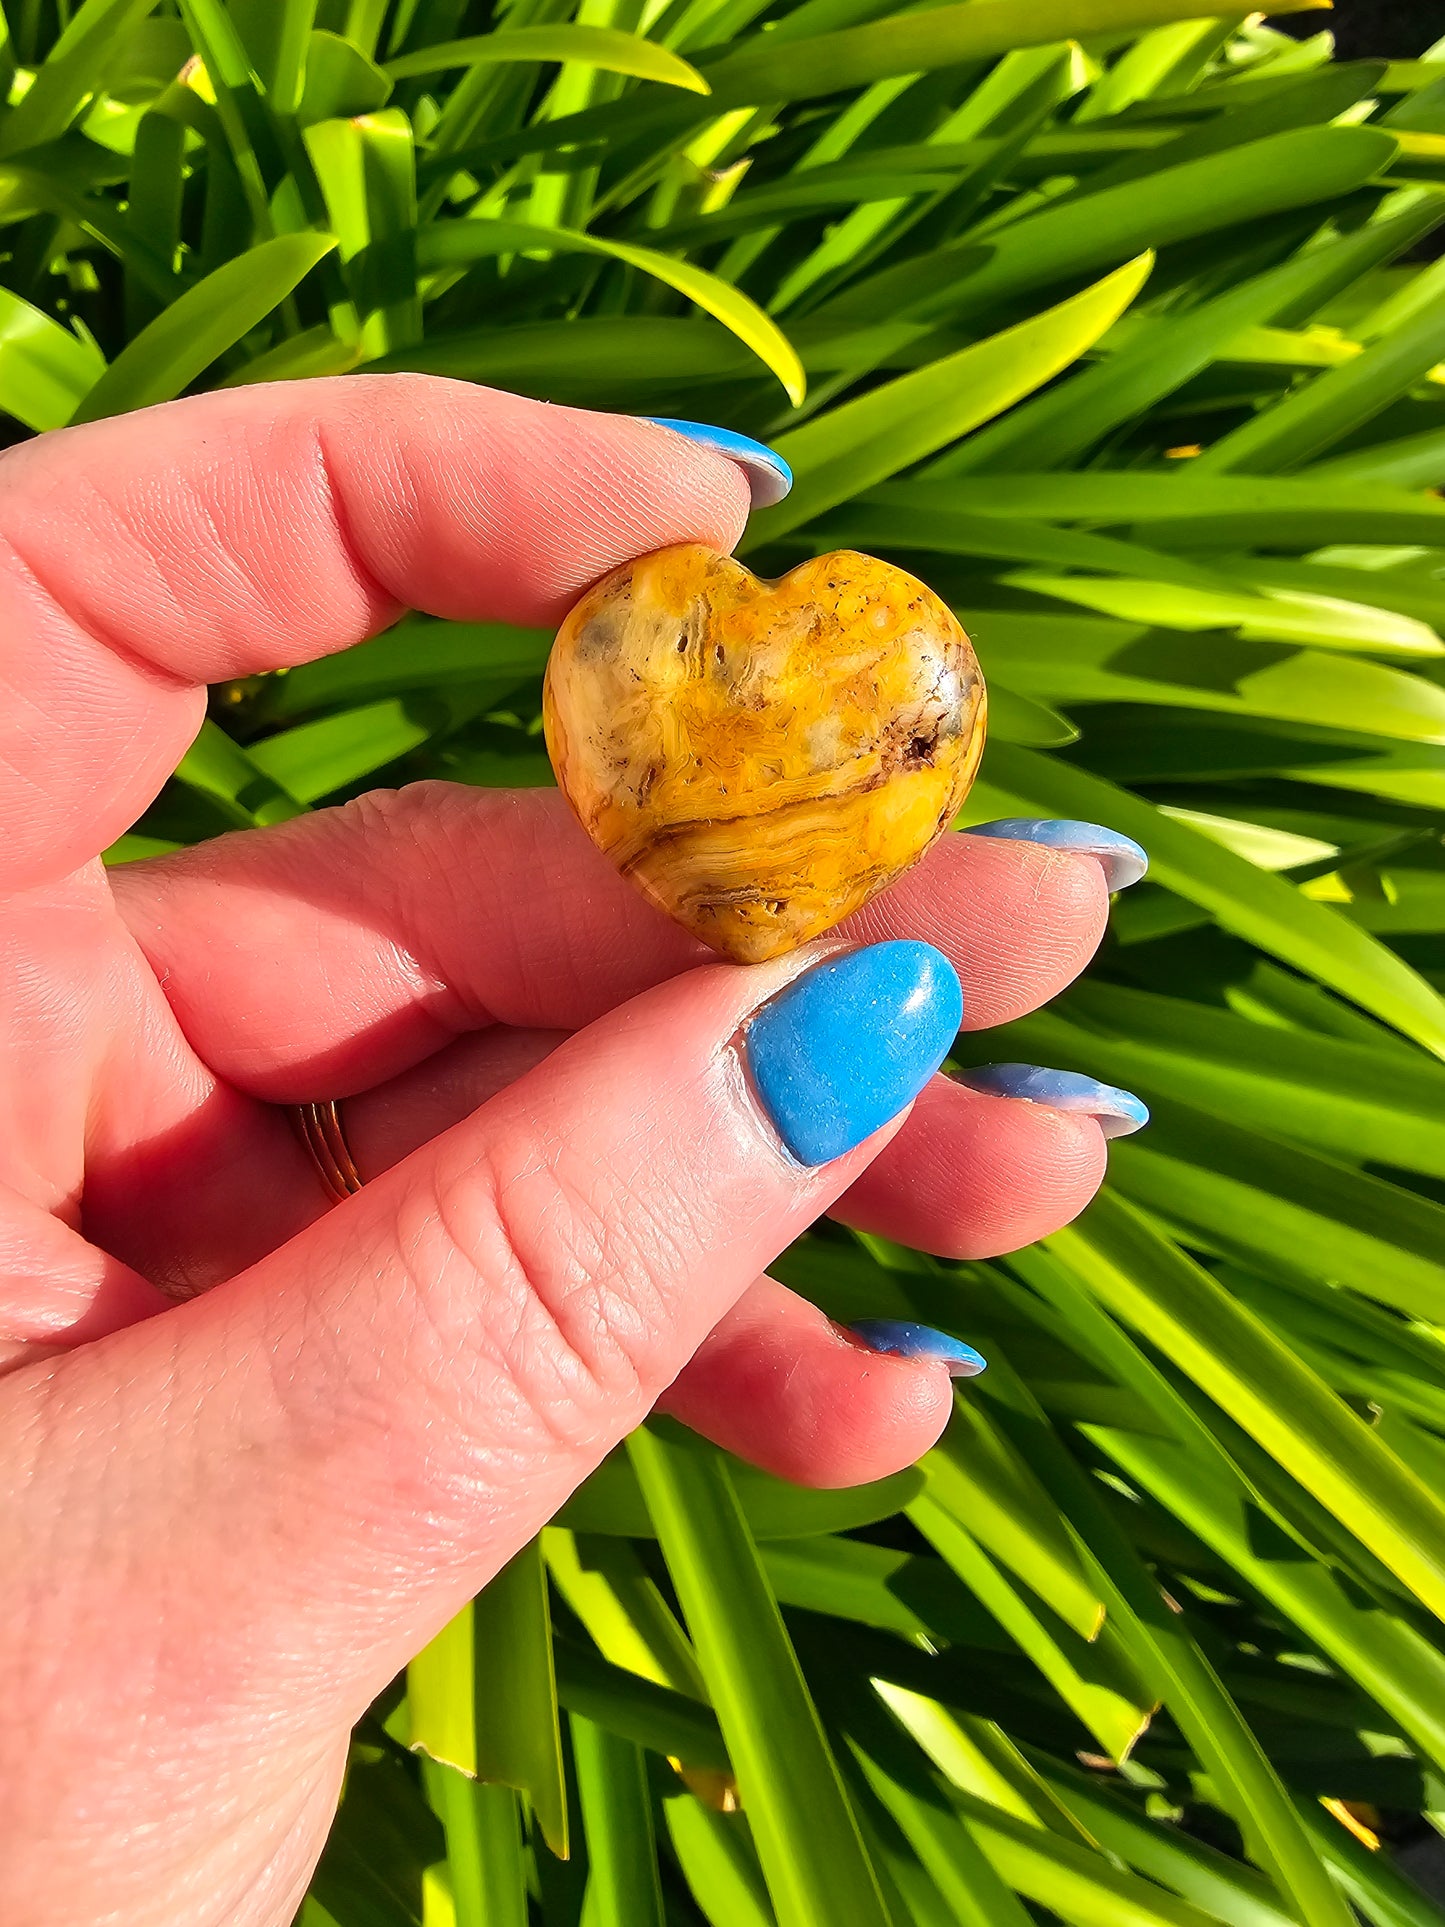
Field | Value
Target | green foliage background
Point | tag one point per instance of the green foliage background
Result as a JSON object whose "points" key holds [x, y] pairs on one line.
{"points": [[1124, 330]]}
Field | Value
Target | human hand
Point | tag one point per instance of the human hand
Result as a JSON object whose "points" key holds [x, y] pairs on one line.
{"points": [[233, 1519]]}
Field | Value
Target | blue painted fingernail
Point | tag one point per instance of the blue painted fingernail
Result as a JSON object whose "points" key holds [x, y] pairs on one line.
{"points": [[769, 476], [899, 1339], [1123, 859], [846, 1045], [1119, 1113]]}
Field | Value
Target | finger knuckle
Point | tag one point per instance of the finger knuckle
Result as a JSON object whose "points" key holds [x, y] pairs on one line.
{"points": [[565, 1302]]}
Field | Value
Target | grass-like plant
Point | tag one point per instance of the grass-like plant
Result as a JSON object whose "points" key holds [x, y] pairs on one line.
{"points": [[1122, 328]]}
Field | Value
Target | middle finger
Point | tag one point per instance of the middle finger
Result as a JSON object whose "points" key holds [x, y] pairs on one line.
{"points": [[319, 957]]}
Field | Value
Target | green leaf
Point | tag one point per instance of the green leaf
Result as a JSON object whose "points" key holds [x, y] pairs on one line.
{"points": [[1161, 1643], [812, 1853], [1021, 719], [339, 80], [1080, 1885], [1332, 404], [897, 1592], [983, 1857], [1107, 1699], [417, 653], [604, 47], [1289, 1210], [1149, 1283], [44, 368], [1084, 232], [718, 1862], [1070, 659], [1413, 461], [198, 327], [971, 1888], [875, 519], [1243, 899], [1384, 1893], [1176, 510], [482, 1697], [222, 771], [485, 1868], [1327, 1092], [366, 170], [916, 43], [1379, 1650], [606, 1586], [1198, 1873], [334, 752], [976, 1476], [1280, 616], [610, 1502], [384, 1838], [624, 1888], [864, 441], [637, 1709], [72, 70], [459, 243]]}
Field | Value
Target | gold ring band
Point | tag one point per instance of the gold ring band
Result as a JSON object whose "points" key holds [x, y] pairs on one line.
{"points": [[319, 1127]]}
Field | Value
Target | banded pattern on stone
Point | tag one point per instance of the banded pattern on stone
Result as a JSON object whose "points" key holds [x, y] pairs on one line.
{"points": [[762, 758]]}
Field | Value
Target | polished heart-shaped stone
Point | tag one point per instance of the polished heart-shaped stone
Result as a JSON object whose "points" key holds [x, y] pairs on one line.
{"points": [[761, 758]]}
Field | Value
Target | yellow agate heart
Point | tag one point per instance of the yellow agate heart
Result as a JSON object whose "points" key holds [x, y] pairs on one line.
{"points": [[761, 758]]}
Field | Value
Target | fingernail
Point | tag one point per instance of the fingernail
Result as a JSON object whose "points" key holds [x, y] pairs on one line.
{"points": [[1119, 1112], [1123, 859], [846, 1045], [769, 476], [899, 1339]]}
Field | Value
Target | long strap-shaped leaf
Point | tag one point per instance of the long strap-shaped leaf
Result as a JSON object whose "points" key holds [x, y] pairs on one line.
{"points": [[917, 42], [453, 243], [812, 1852], [781, 67], [44, 368], [610, 49], [1316, 417], [865, 441], [1348, 1099], [1149, 1283], [1246, 900], [75, 65], [1196, 1477], [209, 318], [1162, 1643], [483, 1695], [623, 1885], [1078, 413]]}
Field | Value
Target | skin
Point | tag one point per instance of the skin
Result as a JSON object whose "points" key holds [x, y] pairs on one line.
{"points": [[231, 1519]]}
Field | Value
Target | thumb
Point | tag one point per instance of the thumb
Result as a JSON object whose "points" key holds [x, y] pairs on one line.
{"points": [[316, 1464]]}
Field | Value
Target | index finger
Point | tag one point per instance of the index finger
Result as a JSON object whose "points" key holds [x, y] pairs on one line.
{"points": [[144, 557]]}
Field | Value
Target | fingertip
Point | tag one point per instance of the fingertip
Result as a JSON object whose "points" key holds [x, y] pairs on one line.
{"points": [[781, 1385], [972, 1175], [704, 477], [904, 1338], [768, 475], [524, 503]]}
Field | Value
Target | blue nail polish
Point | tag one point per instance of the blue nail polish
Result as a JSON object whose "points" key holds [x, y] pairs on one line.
{"points": [[769, 476], [1119, 1113], [846, 1045], [899, 1339], [1124, 861]]}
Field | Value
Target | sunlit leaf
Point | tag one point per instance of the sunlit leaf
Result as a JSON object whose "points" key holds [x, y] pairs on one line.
{"points": [[202, 324], [605, 47], [45, 370], [452, 243]]}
